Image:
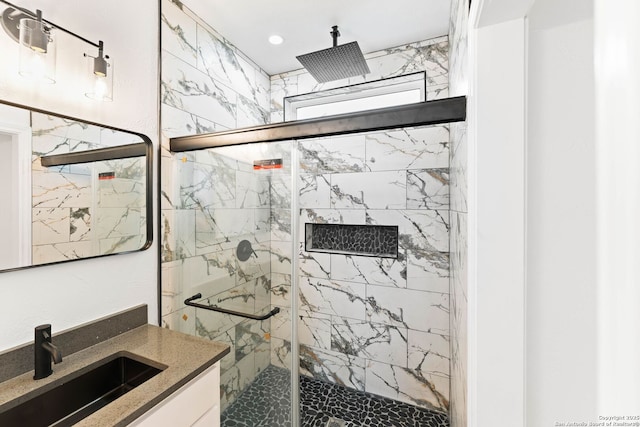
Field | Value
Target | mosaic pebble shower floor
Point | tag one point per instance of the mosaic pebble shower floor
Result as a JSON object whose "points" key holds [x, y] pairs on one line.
{"points": [[265, 403]]}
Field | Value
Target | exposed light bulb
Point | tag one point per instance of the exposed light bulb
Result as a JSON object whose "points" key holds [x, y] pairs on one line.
{"points": [[100, 89]]}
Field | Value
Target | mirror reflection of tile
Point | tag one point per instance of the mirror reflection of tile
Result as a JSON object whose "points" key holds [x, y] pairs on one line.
{"points": [[77, 210]]}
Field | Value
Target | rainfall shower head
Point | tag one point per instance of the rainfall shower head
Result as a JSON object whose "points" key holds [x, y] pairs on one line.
{"points": [[335, 63]]}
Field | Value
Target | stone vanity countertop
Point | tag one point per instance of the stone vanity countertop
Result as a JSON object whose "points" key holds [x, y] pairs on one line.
{"points": [[183, 355]]}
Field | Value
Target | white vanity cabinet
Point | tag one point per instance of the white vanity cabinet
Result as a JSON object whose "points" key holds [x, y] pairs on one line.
{"points": [[196, 404]]}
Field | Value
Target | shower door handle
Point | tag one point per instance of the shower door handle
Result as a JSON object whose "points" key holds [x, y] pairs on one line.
{"points": [[189, 301]]}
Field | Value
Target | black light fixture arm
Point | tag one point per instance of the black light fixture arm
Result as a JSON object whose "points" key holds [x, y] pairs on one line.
{"points": [[56, 26]]}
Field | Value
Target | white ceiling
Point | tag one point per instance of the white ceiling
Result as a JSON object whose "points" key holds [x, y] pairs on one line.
{"points": [[305, 25]]}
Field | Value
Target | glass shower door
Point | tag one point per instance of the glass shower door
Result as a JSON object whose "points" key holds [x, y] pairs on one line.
{"points": [[235, 205]]}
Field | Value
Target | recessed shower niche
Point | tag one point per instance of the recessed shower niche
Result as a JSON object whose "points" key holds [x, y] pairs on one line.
{"points": [[351, 239]]}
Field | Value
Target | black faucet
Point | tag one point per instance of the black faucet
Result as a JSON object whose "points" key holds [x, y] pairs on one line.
{"points": [[45, 352]]}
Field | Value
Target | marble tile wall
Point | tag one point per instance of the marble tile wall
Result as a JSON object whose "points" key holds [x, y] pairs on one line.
{"points": [[213, 199], [76, 215], [458, 76], [374, 324], [430, 56]]}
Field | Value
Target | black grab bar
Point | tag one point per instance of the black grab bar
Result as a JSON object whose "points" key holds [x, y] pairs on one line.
{"points": [[189, 301]]}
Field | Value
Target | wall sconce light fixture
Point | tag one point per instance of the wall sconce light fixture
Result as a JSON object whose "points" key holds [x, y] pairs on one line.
{"points": [[37, 40], [100, 72]]}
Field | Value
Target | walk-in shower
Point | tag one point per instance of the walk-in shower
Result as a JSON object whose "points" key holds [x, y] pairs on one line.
{"points": [[321, 258]]}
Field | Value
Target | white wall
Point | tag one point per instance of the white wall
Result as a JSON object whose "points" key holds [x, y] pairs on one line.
{"points": [[496, 216], [617, 44], [560, 250], [71, 293], [561, 222]]}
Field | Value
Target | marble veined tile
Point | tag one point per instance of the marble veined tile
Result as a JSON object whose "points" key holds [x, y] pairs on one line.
{"points": [[252, 190], [428, 189], [280, 290], [314, 329], [428, 271], [333, 367], [80, 224], [44, 124], [178, 234], [330, 216], [282, 85], [280, 224], [459, 167], [281, 324], [220, 228], [229, 338], [332, 297], [220, 157], [437, 92], [250, 336], [250, 113], [369, 190], [373, 341], [211, 324], [50, 225], [221, 61], [422, 311], [172, 297], [209, 274], [458, 22], [314, 191], [281, 257], [314, 264], [133, 169], [307, 84], [121, 193], [428, 353], [183, 320], [280, 191], [117, 222], [189, 89], [408, 148], [206, 186], [280, 353], [370, 270], [57, 190], [333, 154], [407, 385], [46, 145], [178, 33], [113, 245], [43, 254], [419, 230], [410, 58], [235, 380], [459, 304], [258, 265], [176, 122]]}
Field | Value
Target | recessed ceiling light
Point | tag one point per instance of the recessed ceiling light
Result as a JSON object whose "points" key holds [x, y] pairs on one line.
{"points": [[275, 39]]}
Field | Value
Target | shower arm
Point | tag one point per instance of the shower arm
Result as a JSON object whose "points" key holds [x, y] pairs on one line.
{"points": [[335, 34], [189, 301]]}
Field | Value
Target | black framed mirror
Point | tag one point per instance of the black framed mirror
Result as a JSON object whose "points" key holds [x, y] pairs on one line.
{"points": [[70, 189]]}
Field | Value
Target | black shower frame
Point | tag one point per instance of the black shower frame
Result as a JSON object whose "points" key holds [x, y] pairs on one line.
{"points": [[424, 113]]}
